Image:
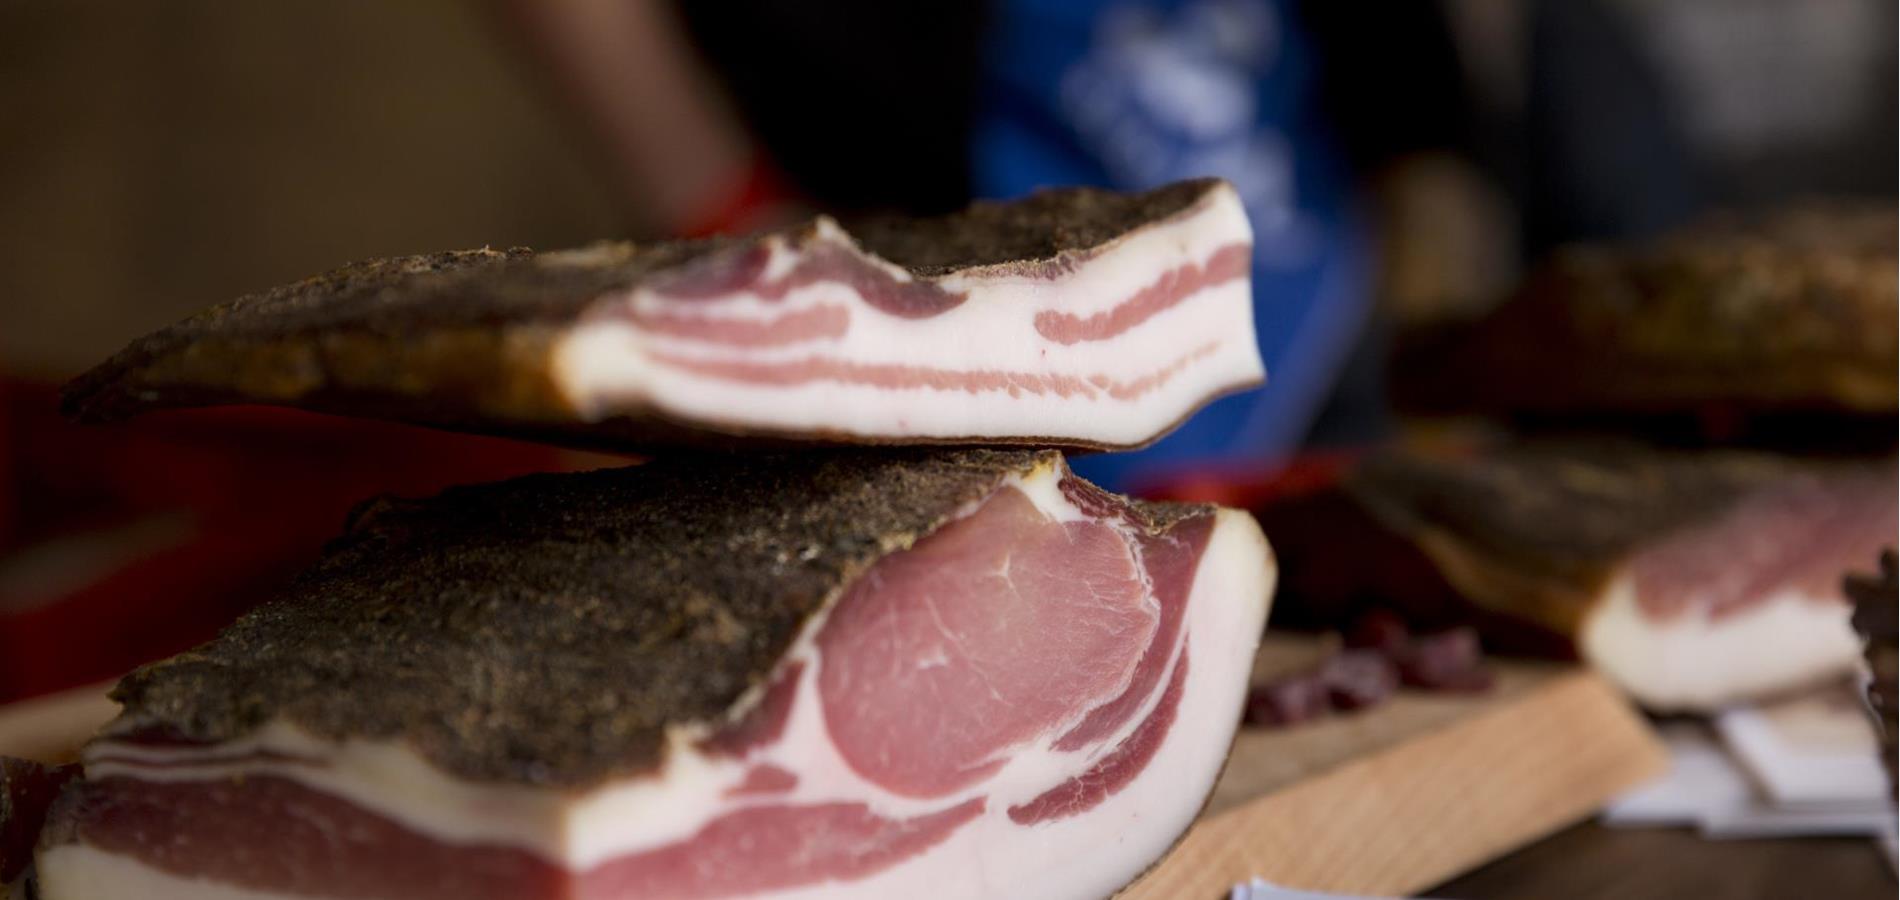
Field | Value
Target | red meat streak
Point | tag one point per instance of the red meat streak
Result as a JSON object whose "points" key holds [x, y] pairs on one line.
{"points": [[830, 321], [718, 275], [1799, 535], [1173, 286], [824, 321], [1114, 771], [898, 376], [928, 680]]}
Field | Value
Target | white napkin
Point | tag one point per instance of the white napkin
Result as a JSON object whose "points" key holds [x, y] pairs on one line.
{"points": [[1261, 889]]}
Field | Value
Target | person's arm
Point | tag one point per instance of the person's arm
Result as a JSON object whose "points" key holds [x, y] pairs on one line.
{"points": [[677, 146]]}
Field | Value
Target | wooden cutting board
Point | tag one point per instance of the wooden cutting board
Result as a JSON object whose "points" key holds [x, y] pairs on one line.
{"points": [[1396, 799], [1388, 801]]}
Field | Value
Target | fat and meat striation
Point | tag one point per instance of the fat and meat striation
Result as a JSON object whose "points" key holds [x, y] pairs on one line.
{"points": [[960, 673], [1691, 578], [1070, 318]]}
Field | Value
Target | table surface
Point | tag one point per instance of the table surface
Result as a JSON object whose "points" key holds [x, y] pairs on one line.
{"points": [[1591, 862]]}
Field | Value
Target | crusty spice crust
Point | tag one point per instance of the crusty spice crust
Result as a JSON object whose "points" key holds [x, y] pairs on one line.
{"points": [[469, 332], [1539, 527], [548, 630], [1041, 235], [464, 340]]}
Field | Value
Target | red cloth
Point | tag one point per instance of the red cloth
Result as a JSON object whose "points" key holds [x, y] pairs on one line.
{"points": [[123, 544], [1252, 487], [755, 202]]}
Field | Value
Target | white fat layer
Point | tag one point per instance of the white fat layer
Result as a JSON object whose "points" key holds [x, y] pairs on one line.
{"points": [[1700, 662], [604, 365], [1091, 854]]}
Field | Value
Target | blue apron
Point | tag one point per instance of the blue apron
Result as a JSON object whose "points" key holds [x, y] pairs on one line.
{"points": [[1139, 93]]}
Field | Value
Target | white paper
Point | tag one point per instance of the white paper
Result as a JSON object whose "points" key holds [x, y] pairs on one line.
{"points": [[1814, 750], [1261, 889], [1702, 782], [1766, 821], [1794, 767]]}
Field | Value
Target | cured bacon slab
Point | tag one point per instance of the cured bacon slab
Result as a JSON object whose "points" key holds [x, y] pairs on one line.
{"points": [[1769, 316], [904, 673], [1071, 318], [1691, 578]]}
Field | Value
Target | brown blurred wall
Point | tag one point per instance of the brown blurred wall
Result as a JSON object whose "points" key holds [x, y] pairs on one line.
{"points": [[159, 157]]}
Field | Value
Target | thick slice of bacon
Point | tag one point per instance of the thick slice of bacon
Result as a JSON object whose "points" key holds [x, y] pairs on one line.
{"points": [[1070, 318], [946, 674], [1692, 578]]}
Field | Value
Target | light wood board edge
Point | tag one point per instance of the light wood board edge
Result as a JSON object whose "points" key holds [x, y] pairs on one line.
{"points": [[1413, 815]]}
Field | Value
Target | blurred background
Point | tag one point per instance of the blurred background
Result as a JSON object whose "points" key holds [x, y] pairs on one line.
{"points": [[1404, 164], [159, 158]]}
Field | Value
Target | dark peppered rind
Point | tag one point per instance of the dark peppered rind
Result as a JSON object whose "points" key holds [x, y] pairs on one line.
{"points": [[464, 340], [1571, 506], [1539, 527], [1041, 235], [470, 331], [547, 630], [1781, 314]]}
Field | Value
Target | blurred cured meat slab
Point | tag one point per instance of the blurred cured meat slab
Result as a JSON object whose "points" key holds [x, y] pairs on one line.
{"points": [[1690, 577], [1735, 318]]}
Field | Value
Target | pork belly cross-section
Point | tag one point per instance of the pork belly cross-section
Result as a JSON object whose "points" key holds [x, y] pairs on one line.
{"points": [[1070, 318], [907, 673]]}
